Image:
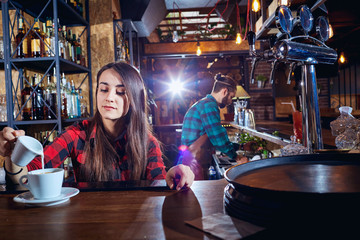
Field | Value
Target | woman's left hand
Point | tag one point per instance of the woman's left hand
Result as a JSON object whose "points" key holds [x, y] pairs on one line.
{"points": [[180, 176]]}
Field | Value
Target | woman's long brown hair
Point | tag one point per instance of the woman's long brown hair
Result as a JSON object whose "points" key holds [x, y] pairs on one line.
{"points": [[101, 157]]}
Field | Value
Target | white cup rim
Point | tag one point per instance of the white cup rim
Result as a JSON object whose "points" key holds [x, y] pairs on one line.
{"points": [[49, 170]]}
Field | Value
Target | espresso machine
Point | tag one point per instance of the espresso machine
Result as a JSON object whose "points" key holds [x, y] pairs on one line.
{"points": [[303, 51]]}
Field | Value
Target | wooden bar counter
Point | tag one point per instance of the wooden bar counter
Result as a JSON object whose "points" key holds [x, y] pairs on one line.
{"points": [[126, 214]]}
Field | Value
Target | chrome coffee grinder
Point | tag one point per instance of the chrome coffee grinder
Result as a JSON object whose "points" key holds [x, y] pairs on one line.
{"points": [[243, 116]]}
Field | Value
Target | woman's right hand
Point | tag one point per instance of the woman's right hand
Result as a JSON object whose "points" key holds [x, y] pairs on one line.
{"points": [[7, 139]]}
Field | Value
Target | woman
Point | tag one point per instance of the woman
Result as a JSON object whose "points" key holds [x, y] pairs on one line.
{"points": [[115, 145]]}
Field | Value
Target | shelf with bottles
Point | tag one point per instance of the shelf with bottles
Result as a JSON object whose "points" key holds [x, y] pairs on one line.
{"points": [[37, 102], [37, 42], [42, 64], [66, 12], [35, 50]]}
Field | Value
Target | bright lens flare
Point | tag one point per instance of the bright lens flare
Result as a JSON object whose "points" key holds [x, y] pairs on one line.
{"points": [[176, 87], [255, 6]]}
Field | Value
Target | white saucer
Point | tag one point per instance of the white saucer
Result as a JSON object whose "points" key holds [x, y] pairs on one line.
{"points": [[65, 195]]}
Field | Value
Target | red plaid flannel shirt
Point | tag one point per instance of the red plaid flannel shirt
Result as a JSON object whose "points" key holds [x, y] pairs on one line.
{"points": [[71, 144]]}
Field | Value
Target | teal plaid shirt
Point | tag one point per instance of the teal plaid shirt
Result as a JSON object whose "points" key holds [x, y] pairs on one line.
{"points": [[204, 117]]}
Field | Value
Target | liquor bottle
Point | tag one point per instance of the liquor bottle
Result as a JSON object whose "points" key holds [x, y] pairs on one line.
{"points": [[77, 48], [75, 100], [79, 8], [46, 96], [70, 106], [78, 103], [42, 43], [72, 4], [37, 99], [70, 46], [61, 41], [83, 103], [35, 40], [66, 43], [47, 43], [50, 96], [26, 100], [22, 50], [50, 26], [64, 112]]}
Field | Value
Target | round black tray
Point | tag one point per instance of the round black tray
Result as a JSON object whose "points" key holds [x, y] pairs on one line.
{"points": [[304, 190]]}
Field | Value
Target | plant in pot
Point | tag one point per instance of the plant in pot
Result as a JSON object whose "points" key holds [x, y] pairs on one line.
{"points": [[253, 145], [261, 79]]}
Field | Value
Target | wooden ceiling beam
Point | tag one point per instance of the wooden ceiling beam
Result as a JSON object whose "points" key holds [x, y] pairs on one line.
{"points": [[200, 10], [187, 24], [193, 17], [194, 29]]}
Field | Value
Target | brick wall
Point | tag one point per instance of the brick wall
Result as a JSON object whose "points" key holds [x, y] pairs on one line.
{"points": [[324, 93], [262, 101]]}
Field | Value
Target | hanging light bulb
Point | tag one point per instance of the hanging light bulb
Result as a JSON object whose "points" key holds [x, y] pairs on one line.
{"points": [[175, 36], [238, 38], [284, 2], [255, 6], [198, 49], [342, 58]]}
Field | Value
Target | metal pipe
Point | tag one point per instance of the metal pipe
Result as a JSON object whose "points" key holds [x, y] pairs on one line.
{"points": [[272, 73], [295, 51], [311, 114], [253, 66], [291, 69]]}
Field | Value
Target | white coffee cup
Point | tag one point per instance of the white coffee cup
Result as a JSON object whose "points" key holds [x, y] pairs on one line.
{"points": [[44, 183], [25, 150]]}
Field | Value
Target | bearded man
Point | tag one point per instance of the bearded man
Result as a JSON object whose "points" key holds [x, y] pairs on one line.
{"points": [[202, 131]]}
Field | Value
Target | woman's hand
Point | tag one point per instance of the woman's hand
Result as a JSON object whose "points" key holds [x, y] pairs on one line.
{"points": [[180, 176], [7, 139]]}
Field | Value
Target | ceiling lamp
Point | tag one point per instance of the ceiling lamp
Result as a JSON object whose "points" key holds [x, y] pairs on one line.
{"points": [[198, 49], [175, 36], [255, 7], [342, 58], [240, 93], [284, 2], [238, 35], [238, 38]]}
